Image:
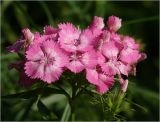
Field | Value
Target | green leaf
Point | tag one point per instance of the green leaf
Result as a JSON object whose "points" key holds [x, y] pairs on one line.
{"points": [[34, 93], [42, 108], [66, 113], [45, 111], [27, 109], [110, 104]]}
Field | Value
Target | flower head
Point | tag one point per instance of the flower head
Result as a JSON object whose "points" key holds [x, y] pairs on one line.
{"points": [[72, 39], [99, 50], [99, 78], [45, 61]]}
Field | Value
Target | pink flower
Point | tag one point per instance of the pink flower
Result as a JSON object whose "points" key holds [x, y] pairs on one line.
{"points": [[113, 66], [130, 56], [110, 50], [106, 83], [80, 60], [45, 61], [97, 77], [100, 51], [129, 42], [122, 68], [114, 23], [72, 39], [109, 68]]}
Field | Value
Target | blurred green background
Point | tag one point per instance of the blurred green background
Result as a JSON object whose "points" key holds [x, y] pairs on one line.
{"points": [[140, 20]]}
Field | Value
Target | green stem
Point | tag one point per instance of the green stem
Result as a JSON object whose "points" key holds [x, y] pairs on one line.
{"points": [[73, 116], [72, 101]]}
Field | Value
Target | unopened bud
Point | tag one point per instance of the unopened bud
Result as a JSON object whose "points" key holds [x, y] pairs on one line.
{"points": [[124, 86], [114, 23]]}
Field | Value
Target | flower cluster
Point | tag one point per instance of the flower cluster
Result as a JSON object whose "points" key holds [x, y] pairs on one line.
{"points": [[98, 50]]}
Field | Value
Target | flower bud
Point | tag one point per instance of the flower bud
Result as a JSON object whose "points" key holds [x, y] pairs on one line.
{"points": [[97, 23], [124, 86], [114, 23], [28, 35]]}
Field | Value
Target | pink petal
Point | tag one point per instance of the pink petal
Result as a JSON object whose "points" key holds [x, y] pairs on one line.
{"points": [[34, 69], [123, 69], [129, 56], [129, 42], [101, 59], [115, 37], [105, 37], [34, 53], [105, 84], [110, 50], [68, 37], [109, 68], [75, 66], [89, 59], [92, 76], [52, 49], [102, 88], [50, 30], [52, 73], [86, 38], [51, 33]]}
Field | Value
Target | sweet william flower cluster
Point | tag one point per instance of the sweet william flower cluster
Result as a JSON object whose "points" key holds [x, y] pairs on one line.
{"points": [[98, 50]]}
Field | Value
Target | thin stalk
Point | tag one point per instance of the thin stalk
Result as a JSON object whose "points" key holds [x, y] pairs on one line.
{"points": [[72, 101], [73, 117], [66, 113]]}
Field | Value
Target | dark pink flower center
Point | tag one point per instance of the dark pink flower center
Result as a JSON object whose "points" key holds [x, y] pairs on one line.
{"points": [[47, 60], [76, 42], [76, 56]]}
